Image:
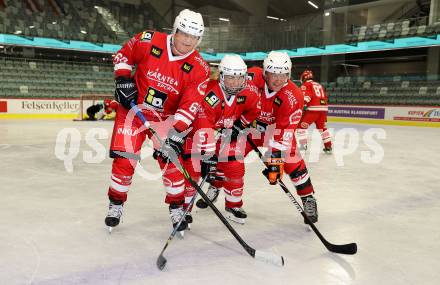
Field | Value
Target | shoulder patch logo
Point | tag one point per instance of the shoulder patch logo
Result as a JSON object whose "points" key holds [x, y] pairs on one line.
{"points": [[212, 99], [156, 52], [147, 36], [278, 101], [186, 67], [241, 99]]}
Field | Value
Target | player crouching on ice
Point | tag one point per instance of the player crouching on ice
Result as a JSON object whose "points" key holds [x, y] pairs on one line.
{"points": [[170, 80], [229, 106], [101, 110]]}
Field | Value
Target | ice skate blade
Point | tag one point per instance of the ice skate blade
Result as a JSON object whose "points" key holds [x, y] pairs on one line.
{"points": [[110, 229], [181, 234], [233, 218]]}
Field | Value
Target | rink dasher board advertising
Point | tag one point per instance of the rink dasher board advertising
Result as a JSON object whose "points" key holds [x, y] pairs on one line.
{"points": [[395, 115], [42, 108]]}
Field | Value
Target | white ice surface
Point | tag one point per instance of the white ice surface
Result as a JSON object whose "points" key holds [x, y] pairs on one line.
{"points": [[52, 221]]}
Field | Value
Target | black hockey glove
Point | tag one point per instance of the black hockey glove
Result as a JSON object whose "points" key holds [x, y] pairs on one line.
{"points": [[208, 167], [172, 147], [237, 129], [126, 91]]}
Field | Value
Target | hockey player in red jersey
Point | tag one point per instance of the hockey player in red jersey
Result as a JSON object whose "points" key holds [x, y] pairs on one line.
{"points": [[281, 111], [316, 108], [230, 105], [170, 79]]}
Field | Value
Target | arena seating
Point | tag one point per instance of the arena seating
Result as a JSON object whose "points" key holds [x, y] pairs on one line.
{"points": [[81, 21], [393, 30], [391, 90], [53, 79]]}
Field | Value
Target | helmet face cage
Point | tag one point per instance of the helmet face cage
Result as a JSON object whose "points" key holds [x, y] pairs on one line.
{"points": [[231, 91], [232, 65]]}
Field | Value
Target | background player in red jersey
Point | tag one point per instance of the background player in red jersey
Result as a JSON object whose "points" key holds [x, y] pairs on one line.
{"points": [[316, 108], [170, 79], [281, 111], [229, 106]]}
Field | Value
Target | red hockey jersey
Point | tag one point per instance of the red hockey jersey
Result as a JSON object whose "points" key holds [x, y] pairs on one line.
{"points": [[314, 96], [110, 106], [167, 84], [218, 112], [280, 112]]}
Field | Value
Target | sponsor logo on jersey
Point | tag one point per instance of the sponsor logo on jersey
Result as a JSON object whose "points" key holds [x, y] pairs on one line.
{"points": [[147, 36], [202, 87], [212, 99], [164, 82], [278, 101], [226, 122], [186, 67], [155, 98], [126, 131], [295, 117], [205, 66], [156, 52], [291, 97], [241, 99]]}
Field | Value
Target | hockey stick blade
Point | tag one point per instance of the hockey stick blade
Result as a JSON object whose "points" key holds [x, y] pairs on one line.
{"points": [[350, 248], [161, 262], [269, 258]]}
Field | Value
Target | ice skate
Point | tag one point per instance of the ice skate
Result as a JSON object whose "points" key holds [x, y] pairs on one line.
{"points": [[176, 214], [114, 215], [328, 150], [212, 194], [310, 208], [236, 214]]}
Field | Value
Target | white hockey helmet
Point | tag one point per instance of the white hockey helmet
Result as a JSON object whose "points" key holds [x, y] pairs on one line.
{"points": [[277, 62], [189, 22], [232, 65]]}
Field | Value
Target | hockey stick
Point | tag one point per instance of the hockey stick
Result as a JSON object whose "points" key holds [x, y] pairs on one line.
{"points": [[350, 248], [257, 254], [161, 260]]}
